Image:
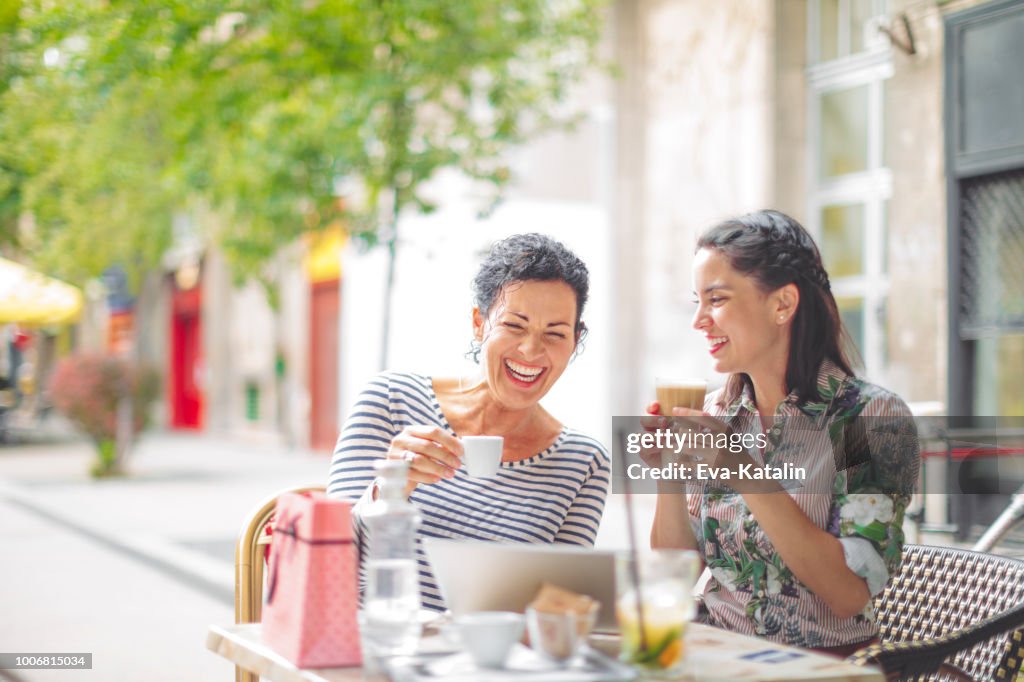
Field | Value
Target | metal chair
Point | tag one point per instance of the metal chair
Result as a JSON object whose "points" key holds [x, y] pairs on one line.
{"points": [[250, 553], [950, 614]]}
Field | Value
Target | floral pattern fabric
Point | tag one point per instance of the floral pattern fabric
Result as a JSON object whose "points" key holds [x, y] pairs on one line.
{"points": [[859, 450]]}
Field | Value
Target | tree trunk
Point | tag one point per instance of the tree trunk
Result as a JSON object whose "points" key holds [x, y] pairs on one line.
{"points": [[282, 370], [389, 282], [123, 440]]}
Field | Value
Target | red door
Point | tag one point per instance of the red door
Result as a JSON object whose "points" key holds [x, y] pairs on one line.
{"points": [[186, 395], [323, 366]]}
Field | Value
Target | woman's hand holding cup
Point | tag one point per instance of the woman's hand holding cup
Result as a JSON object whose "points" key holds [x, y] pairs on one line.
{"points": [[653, 422], [433, 454], [719, 456], [700, 425], [682, 419]]}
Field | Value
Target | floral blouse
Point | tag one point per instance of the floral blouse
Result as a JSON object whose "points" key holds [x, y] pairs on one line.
{"points": [[858, 450]]}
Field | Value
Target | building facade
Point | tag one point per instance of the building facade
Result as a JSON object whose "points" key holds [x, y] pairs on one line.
{"points": [[890, 128]]}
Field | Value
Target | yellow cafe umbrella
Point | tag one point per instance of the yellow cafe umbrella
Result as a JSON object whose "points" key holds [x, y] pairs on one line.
{"points": [[31, 298]]}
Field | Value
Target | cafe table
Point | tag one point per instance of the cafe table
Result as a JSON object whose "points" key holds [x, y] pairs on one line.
{"points": [[713, 655]]}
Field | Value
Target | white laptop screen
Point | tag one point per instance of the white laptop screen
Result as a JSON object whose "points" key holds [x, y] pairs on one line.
{"points": [[492, 576]]}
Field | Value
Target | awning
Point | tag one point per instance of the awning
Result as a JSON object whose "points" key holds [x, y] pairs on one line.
{"points": [[31, 298]]}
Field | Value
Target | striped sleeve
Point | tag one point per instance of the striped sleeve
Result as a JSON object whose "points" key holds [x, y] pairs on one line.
{"points": [[584, 516], [365, 438]]}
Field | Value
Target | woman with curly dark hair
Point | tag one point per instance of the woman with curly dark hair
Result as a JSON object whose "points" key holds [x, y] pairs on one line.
{"points": [[552, 482], [797, 556]]}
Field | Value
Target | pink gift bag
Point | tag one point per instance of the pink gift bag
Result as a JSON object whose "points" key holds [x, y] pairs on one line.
{"points": [[312, 585]]}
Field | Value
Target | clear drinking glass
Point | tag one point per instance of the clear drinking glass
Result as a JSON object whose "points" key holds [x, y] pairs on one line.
{"points": [[653, 617], [559, 637]]}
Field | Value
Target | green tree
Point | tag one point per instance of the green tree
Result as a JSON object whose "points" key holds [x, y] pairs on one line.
{"points": [[116, 115]]}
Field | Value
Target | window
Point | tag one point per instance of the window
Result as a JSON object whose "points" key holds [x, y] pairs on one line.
{"points": [[844, 132], [998, 367], [991, 311], [849, 63], [842, 28]]}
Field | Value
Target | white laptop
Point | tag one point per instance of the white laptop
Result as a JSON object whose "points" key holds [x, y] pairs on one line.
{"points": [[494, 576]]}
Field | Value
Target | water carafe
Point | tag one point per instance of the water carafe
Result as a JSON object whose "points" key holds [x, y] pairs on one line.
{"points": [[391, 601]]}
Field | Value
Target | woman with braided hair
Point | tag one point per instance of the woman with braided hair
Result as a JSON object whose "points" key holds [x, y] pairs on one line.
{"points": [[795, 560]]}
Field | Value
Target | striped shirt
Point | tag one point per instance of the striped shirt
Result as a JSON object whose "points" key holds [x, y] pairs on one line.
{"points": [[555, 496]]}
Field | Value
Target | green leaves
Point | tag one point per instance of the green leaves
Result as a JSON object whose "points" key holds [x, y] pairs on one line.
{"points": [[875, 531], [116, 116]]}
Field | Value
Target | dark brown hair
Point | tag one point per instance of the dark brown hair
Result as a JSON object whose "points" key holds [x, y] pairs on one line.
{"points": [[776, 250]]}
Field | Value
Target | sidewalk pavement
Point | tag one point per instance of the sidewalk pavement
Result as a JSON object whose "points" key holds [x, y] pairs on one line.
{"points": [[133, 570]]}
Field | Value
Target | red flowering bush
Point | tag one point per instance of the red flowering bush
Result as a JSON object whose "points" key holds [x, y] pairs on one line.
{"points": [[87, 388]]}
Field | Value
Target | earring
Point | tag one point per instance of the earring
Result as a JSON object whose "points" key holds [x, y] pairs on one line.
{"points": [[474, 351], [782, 318]]}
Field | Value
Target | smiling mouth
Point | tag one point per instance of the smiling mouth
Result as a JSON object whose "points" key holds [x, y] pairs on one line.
{"points": [[715, 343], [523, 374]]}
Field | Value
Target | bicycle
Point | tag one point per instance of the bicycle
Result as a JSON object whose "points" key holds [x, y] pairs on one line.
{"points": [[1004, 523]]}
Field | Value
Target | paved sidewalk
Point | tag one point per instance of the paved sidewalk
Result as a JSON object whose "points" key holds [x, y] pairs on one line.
{"points": [[130, 569]]}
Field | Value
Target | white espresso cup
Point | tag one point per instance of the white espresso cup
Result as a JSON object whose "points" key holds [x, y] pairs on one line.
{"points": [[489, 635], [482, 455]]}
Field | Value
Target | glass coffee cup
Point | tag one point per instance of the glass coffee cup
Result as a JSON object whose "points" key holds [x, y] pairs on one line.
{"points": [[688, 393]]}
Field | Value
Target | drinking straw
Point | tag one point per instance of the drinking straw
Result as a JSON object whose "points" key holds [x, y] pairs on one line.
{"points": [[634, 556]]}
